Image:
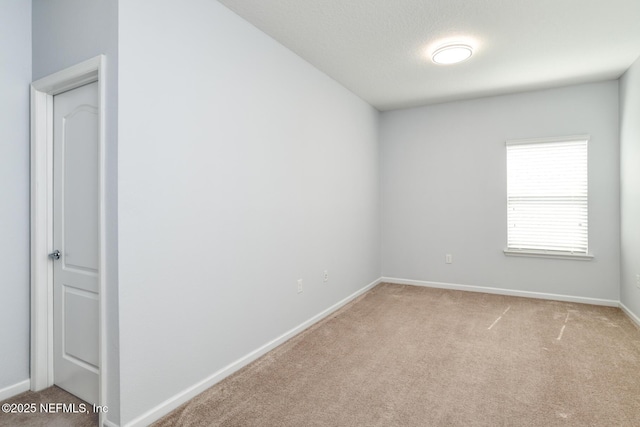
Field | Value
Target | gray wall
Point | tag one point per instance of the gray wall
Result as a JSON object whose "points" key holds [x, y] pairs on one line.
{"points": [[242, 168], [443, 171], [66, 32], [15, 63], [630, 187]]}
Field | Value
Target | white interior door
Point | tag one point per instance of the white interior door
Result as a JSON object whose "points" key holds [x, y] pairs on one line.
{"points": [[75, 236]]}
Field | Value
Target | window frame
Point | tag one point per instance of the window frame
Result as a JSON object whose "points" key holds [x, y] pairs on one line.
{"points": [[540, 253]]}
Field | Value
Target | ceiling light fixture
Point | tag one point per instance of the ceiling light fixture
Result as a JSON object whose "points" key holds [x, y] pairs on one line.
{"points": [[452, 53]]}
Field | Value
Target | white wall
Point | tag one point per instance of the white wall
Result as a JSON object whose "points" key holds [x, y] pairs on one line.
{"points": [[630, 187], [15, 76], [444, 190], [67, 32], [241, 169]]}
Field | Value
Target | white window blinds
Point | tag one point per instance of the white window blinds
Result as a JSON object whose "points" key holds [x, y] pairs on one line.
{"points": [[547, 200]]}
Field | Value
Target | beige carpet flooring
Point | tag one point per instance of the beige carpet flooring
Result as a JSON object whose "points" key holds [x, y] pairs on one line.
{"points": [[411, 356], [50, 395]]}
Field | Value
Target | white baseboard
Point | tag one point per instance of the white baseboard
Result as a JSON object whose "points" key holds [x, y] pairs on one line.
{"points": [[170, 404], [14, 390], [631, 314], [502, 291], [108, 423]]}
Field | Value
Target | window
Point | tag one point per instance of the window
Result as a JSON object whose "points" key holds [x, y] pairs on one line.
{"points": [[547, 197]]}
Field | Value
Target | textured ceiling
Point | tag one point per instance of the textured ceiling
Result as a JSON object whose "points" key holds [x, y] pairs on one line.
{"points": [[380, 49]]}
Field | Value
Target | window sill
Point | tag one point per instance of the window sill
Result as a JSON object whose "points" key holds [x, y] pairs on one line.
{"points": [[547, 254]]}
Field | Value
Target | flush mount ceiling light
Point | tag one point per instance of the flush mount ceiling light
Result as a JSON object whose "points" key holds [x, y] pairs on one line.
{"points": [[452, 53]]}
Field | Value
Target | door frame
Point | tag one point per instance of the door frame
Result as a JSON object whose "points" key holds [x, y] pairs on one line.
{"points": [[42, 93]]}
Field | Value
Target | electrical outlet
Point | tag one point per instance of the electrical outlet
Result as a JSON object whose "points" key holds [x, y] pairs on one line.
{"points": [[638, 281], [448, 259], [299, 286], [325, 276]]}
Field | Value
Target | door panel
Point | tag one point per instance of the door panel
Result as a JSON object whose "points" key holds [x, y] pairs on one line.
{"points": [[75, 235], [80, 321], [80, 182]]}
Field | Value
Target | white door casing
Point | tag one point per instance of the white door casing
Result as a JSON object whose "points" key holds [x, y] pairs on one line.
{"points": [[42, 295], [75, 236]]}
